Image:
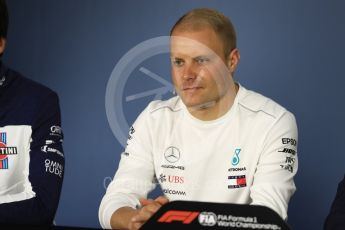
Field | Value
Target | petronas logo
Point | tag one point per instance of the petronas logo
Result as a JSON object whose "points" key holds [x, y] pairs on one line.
{"points": [[236, 158]]}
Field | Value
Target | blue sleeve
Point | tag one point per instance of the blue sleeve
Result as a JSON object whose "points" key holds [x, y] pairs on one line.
{"points": [[336, 218], [46, 169]]}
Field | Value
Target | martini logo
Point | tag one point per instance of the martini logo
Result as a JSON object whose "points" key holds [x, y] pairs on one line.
{"points": [[5, 151]]}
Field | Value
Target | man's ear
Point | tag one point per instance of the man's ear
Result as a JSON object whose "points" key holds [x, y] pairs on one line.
{"points": [[2, 45], [233, 60]]}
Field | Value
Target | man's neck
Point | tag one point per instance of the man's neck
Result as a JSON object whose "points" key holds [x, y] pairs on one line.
{"points": [[215, 109]]}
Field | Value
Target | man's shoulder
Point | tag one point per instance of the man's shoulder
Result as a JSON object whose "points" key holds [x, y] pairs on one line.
{"points": [[28, 86], [25, 100], [159, 110], [256, 102], [23, 88], [173, 104]]}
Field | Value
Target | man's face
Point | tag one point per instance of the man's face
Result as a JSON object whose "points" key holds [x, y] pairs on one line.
{"points": [[199, 67], [2, 44]]}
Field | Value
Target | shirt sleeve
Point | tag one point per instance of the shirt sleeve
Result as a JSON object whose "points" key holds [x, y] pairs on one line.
{"points": [[336, 216], [45, 169], [273, 183], [135, 175]]}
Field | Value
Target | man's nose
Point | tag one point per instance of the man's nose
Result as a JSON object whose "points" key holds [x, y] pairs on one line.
{"points": [[190, 71]]}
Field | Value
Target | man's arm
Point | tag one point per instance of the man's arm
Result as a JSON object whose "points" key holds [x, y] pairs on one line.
{"points": [[129, 218], [122, 217], [45, 169], [149, 208], [336, 216], [273, 183], [133, 179]]}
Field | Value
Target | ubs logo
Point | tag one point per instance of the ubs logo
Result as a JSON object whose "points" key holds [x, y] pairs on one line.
{"points": [[172, 154], [171, 179]]}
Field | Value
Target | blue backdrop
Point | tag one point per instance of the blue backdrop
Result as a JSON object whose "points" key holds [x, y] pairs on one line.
{"points": [[291, 51]]}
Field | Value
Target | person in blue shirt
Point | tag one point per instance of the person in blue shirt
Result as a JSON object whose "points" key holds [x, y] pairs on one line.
{"points": [[31, 156], [336, 217]]}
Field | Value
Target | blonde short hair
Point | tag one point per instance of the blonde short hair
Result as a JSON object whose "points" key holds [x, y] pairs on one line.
{"points": [[197, 19]]}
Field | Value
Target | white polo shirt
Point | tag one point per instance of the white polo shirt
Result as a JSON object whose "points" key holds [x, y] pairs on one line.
{"points": [[247, 156]]}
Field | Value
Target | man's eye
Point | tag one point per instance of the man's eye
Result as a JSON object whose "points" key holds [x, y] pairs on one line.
{"points": [[202, 61], [178, 62]]}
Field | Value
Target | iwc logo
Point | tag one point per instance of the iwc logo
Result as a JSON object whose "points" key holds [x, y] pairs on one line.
{"points": [[172, 154]]}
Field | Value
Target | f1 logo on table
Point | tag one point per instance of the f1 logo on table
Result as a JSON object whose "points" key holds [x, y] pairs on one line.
{"points": [[186, 217]]}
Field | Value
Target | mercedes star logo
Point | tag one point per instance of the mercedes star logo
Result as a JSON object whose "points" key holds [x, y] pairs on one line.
{"points": [[172, 154]]}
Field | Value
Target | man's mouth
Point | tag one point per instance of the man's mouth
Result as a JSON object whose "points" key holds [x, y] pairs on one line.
{"points": [[191, 88]]}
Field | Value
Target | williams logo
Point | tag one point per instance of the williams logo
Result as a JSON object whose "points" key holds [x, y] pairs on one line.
{"points": [[5, 151], [236, 158]]}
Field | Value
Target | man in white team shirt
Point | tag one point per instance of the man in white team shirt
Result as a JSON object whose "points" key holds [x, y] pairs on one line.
{"points": [[216, 141]]}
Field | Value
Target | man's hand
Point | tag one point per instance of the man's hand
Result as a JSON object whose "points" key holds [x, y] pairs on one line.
{"points": [[149, 207]]}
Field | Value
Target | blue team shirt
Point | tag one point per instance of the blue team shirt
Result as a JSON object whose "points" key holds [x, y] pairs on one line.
{"points": [[31, 156], [336, 217]]}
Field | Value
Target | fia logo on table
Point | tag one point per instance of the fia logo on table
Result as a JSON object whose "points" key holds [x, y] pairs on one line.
{"points": [[207, 219]]}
